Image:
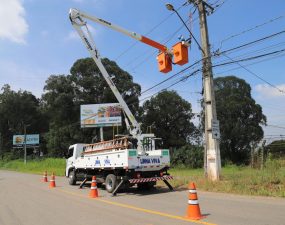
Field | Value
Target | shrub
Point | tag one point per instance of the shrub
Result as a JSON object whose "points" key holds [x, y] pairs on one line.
{"points": [[187, 156]]}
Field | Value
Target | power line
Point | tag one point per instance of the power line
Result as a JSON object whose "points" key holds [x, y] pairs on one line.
{"points": [[252, 42], [198, 61], [225, 71], [171, 77], [250, 58], [258, 50], [150, 31], [254, 74], [270, 125], [252, 28], [180, 80], [218, 6], [217, 65], [168, 39]]}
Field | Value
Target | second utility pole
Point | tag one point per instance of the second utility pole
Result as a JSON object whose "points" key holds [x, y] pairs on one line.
{"points": [[212, 131]]}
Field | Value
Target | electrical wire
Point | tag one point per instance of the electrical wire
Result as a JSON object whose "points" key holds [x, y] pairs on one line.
{"points": [[238, 67], [250, 43], [180, 80], [270, 125], [217, 65], [149, 32], [252, 28], [215, 54], [249, 58], [255, 74]]}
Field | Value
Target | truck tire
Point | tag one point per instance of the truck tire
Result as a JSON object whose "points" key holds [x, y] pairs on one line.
{"points": [[72, 177], [111, 183]]}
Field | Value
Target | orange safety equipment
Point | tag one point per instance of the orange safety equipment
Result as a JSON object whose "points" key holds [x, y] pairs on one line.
{"points": [[164, 62], [45, 177], [193, 209], [52, 181], [180, 53], [93, 190]]}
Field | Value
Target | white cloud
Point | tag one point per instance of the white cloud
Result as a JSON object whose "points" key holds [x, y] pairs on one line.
{"points": [[13, 25], [270, 92]]}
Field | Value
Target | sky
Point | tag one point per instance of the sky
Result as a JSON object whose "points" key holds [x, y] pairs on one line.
{"points": [[37, 40]]}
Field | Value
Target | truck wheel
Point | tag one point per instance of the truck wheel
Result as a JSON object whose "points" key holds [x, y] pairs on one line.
{"points": [[110, 183], [72, 178]]}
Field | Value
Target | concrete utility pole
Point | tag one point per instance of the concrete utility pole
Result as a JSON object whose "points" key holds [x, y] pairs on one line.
{"points": [[212, 130]]}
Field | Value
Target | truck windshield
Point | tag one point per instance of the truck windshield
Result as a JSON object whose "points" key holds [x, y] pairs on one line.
{"points": [[148, 144]]}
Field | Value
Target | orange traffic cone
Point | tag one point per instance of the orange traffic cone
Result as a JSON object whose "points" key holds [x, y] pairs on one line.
{"points": [[193, 209], [45, 177], [93, 190], [52, 181]]}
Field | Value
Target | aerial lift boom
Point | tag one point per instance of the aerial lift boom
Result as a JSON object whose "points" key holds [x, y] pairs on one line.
{"points": [[77, 20], [179, 52]]}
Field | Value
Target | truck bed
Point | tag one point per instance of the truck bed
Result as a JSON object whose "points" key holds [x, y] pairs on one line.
{"points": [[124, 158]]}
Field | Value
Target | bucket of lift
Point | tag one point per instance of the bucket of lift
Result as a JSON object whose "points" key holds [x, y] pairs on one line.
{"points": [[180, 53], [164, 62]]}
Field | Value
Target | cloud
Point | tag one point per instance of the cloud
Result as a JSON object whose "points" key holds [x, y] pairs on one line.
{"points": [[13, 25], [270, 92]]}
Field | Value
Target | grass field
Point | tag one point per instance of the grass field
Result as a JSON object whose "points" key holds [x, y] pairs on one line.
{"points": [[239, 180], [36, 166]]}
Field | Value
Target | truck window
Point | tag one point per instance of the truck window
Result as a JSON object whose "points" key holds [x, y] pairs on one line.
{"points": [[147, 144], [70, 152]]}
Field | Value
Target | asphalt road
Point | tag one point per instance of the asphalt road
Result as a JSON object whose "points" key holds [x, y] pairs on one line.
{"points": [[25, 200]]}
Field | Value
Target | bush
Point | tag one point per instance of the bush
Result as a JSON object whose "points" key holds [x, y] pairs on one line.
{"points": [[188, 156]]}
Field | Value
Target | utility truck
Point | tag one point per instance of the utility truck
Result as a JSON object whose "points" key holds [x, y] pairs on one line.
{"points": [[126, 160]]}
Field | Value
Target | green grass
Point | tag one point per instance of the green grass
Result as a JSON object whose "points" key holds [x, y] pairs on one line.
{"points": [[36, 166], [238, 180]]}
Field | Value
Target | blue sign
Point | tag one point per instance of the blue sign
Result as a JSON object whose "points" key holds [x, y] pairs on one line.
{"points": [[31, 139], [150, 161], [107, 162]]}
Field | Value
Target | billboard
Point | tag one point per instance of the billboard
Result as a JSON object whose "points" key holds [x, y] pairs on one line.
{"points": [[31, 139], [100, 115]]}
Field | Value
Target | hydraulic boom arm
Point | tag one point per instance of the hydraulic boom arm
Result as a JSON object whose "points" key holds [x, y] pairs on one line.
{"points": [[77, 20], [74, 14]]}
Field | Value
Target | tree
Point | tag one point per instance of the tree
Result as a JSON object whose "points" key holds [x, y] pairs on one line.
{"points": [[85, 85], [240, 118], [91, 87], [190, 156], [169, 117], [16, 110], [276, 148]]}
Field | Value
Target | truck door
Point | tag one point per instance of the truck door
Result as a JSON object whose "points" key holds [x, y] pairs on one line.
{"points": [[70, 159]]}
